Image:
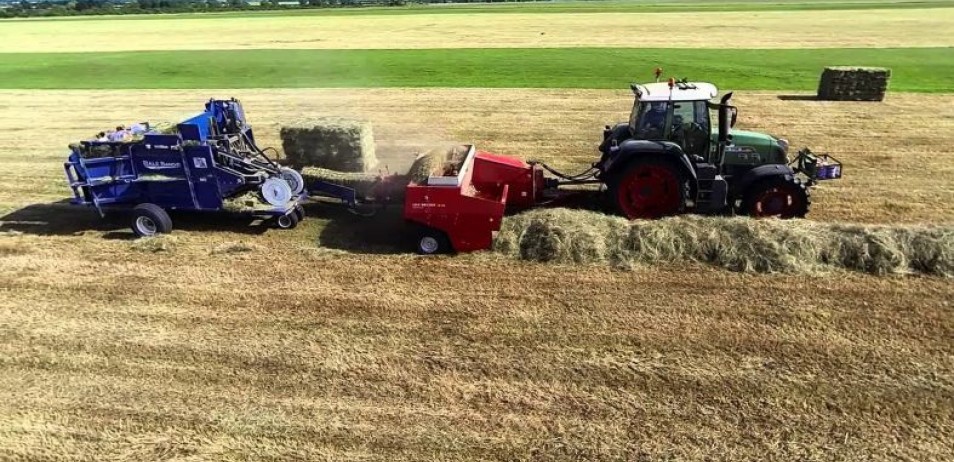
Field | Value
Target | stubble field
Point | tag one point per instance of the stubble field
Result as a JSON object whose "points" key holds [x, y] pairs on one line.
{"points": [[234, 342]]}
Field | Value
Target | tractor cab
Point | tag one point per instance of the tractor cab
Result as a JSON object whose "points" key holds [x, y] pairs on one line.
{"points": [[680, 113]]}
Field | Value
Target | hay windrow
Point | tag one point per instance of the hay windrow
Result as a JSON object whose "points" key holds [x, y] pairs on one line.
{"points": [[734, 243], [228, 248], [155, 244]]}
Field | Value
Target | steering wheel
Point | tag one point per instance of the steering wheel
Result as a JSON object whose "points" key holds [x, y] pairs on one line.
{"points": [[693, 134]]}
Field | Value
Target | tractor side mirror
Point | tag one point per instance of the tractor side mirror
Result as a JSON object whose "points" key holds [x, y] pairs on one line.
{"points": [[735, 116]]}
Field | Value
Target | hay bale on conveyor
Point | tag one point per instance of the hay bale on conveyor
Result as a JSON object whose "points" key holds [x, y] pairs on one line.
{"points": [[329, 142], [364, 184], [437, 161], [853, 83]]}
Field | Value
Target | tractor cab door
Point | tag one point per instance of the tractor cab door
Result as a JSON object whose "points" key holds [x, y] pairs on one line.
{"points": [[650, 120], [690, 127], [685, 123]]}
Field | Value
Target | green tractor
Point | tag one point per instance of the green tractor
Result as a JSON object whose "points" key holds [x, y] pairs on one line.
{"points": [[672, 157]]}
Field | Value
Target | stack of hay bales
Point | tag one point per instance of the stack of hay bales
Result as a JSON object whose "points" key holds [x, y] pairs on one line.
{"points": [[329, 142], [853, 83]]}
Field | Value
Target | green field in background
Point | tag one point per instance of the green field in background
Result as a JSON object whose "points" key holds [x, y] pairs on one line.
{"points": [[913, 69]]}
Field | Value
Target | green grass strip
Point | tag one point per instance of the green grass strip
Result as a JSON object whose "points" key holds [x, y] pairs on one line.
{"points": [[929, 70], [632, 6]]}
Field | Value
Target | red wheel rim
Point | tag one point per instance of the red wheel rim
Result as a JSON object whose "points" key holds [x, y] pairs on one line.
{"points": [[776, 202], [649, 191]]}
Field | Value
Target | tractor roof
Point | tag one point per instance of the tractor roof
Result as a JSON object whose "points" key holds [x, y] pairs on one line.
{"points": [[689, 91]]}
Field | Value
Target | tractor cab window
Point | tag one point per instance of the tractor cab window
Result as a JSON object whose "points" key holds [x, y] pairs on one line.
{"points": [[690, 127], [650, 120]]}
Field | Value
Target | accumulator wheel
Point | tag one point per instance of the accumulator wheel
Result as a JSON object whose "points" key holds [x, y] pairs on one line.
{"points": [[780, 196], [431, 241], [294, 180], [149, 220], [649, 188], [287, 221]]}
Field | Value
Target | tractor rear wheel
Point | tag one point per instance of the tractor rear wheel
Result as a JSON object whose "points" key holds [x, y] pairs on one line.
{"points": [[781, 197], [649, 188]]}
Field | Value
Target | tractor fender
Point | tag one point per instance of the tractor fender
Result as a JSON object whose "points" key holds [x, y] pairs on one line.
{"points": [[636, 149], [758, 174]]}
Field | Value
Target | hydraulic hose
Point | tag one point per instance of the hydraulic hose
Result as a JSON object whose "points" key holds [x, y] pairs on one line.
{"points": [[582, 176]]}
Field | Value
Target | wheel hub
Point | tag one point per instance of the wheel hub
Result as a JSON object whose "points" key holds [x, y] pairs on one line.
{"points": [[146, 225], [649, 191], [773, 202], [429, 244]]}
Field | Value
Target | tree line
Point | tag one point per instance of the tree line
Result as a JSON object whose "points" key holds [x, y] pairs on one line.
{"points": [[28, 8]]}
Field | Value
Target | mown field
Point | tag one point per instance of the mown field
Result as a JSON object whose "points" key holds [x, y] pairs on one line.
{"points": [[888, 27], [328, 342]]}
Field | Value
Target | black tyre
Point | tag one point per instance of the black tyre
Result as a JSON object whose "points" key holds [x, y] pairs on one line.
{"points": [[779, 196], [299, 212], [150, 220], [649, 188], [287, 221], [431, 242]]}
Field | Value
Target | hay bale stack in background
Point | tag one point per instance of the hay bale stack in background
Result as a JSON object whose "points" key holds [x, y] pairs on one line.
{"points": [[853, 83], [329, 142]]}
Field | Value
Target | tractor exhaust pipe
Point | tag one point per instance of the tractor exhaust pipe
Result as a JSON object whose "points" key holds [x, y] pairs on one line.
{"points": [[723, 129]]}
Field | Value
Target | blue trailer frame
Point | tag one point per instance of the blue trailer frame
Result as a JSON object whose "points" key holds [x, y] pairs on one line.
{"points": [[210, 158]]}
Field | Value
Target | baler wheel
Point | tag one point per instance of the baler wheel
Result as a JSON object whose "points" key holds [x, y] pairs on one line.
{"points": [[287, 221], [432, 241], [782, 197], [649, 188], [149, 220]]}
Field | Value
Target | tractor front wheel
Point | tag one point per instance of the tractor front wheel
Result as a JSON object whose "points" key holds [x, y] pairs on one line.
{"points": [[781, 197], [649, 188]]}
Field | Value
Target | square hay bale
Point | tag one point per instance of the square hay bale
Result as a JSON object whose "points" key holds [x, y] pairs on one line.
{"points": [[333, 143], [853, 83]]}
